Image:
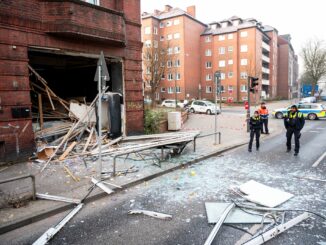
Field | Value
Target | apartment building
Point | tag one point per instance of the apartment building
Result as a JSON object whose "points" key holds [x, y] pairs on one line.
{"points": [[171, 51], [62, 40], [238, 48], [288, 69]]}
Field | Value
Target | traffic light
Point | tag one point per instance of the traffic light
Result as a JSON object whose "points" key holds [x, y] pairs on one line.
{"points": [[253, 83]]}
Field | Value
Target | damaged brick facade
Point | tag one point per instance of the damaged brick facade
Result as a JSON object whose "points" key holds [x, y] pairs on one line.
{"points": [[73, 26]]}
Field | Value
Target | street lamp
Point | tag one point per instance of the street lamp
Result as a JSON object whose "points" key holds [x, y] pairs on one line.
{"points": [[217, 79]]}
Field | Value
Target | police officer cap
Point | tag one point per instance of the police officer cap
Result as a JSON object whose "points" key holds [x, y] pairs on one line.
{"points": [[294, 107]]}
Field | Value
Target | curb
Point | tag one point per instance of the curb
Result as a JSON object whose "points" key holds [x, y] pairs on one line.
{"points": [[66, 206]]}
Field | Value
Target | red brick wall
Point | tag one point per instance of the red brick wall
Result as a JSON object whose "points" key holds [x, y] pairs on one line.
{"points": [[23, 24]]}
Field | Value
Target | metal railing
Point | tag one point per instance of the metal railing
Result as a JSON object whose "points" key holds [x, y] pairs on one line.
{"points": [[206, 135]]}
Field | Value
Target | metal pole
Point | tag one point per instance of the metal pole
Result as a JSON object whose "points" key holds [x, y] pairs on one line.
{"points": [[248, 110], [100, 119], [220, 90], [215, 137]]}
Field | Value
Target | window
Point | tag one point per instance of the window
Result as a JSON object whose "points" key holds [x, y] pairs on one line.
{"points": [[161, 24], [157, 96], [168, 23], [170, 90], [230, 62], [208, 89], [169, 37], [243, 88], [222, 89], [208, 64], [177, 89], [161, 38], [222, 76], [230, 88], [170, 76], [169, 63], [176, 50], [163, 76], [244, 48], [230, 48], [176, 22], [244, 62], [176, 35], [221, 63], [177, 63], [162, 90], [208, 77], [177, 76], [155, 30], [148, 70], [230, 74], [208, 39], [221, 50], [147, 30], [148, 43], [155, 57], [208, 52], [155, 44], [96, 2], [230, 36], [243, 75], [170, 50], [221, 37], [243, 34]]}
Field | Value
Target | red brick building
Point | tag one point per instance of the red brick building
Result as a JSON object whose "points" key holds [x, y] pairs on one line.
{"points": [[62, 41], [179, 32]]}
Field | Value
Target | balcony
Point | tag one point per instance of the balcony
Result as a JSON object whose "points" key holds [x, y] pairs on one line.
{"points": [[264, 82], [266, 46], [265, 70], [74, 18], [265, 58]]}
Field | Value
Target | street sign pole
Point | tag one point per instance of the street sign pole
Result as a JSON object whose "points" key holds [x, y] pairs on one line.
{"points": [[217, 80], [100, 119]]}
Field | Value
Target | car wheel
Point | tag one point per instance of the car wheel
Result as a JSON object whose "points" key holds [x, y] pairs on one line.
{"points": [[312, 116], [208, 112], [279, 115], [192, 110]]}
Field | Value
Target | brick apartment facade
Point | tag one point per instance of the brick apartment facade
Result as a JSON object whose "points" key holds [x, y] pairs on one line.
{"points": [[61, 37], [180, 32], [288, 69], [238, 48]]}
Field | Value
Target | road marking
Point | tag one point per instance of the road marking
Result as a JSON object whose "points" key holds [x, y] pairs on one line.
{"points": [[313, 131], [319, 160]]}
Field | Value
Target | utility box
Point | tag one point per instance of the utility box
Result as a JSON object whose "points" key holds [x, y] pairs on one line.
{"points": [[174, 120]]}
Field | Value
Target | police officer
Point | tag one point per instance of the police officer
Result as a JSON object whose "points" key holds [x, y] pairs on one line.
{"points": [[263, 112], [293, 122], [255, 124]]}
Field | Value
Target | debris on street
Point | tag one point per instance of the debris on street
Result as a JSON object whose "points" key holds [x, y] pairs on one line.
{"points": [[151, 213]]}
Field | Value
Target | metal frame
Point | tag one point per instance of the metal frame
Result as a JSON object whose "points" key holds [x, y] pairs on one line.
{"points": [[206, 135], [23, 177]]}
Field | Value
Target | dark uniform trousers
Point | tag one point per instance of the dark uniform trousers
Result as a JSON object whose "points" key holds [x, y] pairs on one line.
{"points": [[253, 133], [265, 125], [289, 132]]}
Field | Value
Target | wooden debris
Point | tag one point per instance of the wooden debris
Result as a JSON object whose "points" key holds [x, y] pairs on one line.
{"points": [[71, 174], [88, 139], [69, 149]]}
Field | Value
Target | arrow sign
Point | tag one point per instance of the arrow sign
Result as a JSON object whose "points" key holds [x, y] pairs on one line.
{"points": [[104, 70]]}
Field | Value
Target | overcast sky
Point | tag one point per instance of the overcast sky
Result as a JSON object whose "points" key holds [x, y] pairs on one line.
{"points": [[302, 19]]}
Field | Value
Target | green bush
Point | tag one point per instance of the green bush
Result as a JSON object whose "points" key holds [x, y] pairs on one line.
{"points": [[152, 121]]}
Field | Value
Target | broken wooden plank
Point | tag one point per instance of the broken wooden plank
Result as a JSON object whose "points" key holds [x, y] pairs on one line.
{"points": [[47, 236], [40, 109], [213, 233], [71, 174], [50, 99], [57, 198], [69, 149], [266, 236], [151, 213], [102, 186], [88, 140]]}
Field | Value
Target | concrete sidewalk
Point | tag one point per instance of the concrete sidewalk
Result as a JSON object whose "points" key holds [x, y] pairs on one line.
{"points": [[54, 180]]}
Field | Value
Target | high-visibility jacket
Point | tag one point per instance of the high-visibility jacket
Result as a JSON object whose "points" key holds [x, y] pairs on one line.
{"points": [[294, 120], [263, 113]]}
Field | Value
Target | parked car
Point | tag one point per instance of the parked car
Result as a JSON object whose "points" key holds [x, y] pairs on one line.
{"points": [[308, 100], [311, 111], [204, 107], [147, 101], [171, 103]]}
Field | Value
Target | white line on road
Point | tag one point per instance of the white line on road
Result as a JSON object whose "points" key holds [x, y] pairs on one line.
{"points": [[313, 131], [319, 160]]}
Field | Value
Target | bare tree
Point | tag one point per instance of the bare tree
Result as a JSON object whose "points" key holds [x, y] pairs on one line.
{"points": [[155, 57], [314, 57]]}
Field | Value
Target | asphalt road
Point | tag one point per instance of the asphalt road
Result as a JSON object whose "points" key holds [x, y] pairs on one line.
{"points": [[183, 194]]}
